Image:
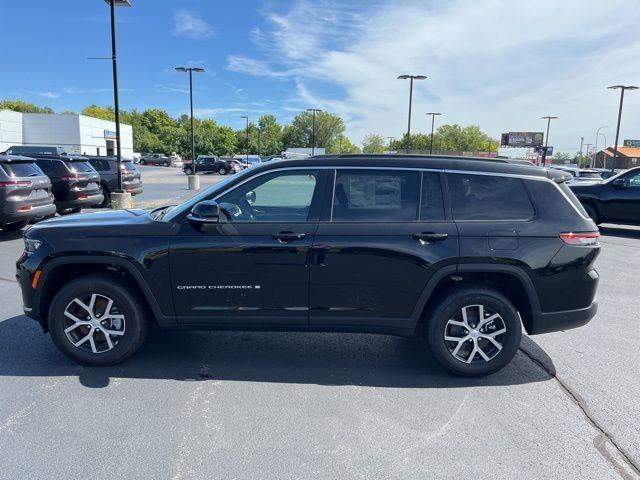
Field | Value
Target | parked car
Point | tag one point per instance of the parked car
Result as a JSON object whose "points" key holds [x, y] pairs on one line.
{"points": [[607, 172], [209, 164], [580, 175], [75, 183], [615, 200], [25, 192], [35, 150], [250, 160], [466, 253], [107, 167], [159, 159], [237, 166]]}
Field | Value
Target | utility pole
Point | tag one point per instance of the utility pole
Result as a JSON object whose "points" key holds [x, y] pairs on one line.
{"points": [[193, 182], [546, 138], [433, 116], [247, 134], [622, 88]]}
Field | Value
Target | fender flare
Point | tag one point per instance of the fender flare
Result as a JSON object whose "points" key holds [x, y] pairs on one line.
{"points": [[447, 270], [123, 263]]}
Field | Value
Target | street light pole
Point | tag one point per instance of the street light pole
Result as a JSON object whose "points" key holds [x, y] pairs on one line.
{"points": [[548, 118], [411, 79], [433, 117], [247, 134], [192, 182], [313, 130], [595, 148], [622, 88], [390, 140], [116, 100]]}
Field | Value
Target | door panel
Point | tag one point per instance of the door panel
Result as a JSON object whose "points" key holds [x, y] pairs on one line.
{"points": [[623, 203], [246, 270]]}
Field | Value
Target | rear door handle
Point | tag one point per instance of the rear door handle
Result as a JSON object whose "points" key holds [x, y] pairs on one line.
{"points": [[288, 236], [426, 237]]}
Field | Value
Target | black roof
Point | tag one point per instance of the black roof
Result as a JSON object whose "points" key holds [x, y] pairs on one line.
{"points": [[103, 157], [472, 164], [14, 158]]}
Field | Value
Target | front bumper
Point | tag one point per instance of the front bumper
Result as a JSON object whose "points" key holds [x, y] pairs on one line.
{"points": [[563, 320]]}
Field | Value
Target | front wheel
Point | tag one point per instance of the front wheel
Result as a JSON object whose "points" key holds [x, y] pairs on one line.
{"points": [[14, 226], [165, 164], [474, 331], [222, 171], [97, 320], [188, 170], [142, 162]]}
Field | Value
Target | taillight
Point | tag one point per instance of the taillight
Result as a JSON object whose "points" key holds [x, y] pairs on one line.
{"points": [[83, 196], [24, 208], [69, 178], [15, 183], [586, 239]]}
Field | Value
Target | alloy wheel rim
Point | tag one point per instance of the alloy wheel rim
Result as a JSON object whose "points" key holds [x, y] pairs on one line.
{"points": [[94, 323], [475, 334]]}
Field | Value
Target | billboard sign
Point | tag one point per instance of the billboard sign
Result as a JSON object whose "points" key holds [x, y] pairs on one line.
{"points": [[631, 143], [522, 139]]}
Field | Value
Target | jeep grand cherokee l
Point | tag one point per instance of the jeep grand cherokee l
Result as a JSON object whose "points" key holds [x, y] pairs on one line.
{"points": [[25, 192], [463, 252], [75, 183]]}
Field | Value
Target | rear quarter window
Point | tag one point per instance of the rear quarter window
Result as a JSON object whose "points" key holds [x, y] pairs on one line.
{"points": [[489, 197]]}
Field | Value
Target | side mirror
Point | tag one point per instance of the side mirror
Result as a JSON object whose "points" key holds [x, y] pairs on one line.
{"points": [[251, 197], [206, 211], [618, 183]]}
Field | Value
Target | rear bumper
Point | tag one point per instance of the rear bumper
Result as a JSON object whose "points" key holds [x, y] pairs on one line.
{"points": [[11, 213], [88, 201], [563, 320], [133, 189]]}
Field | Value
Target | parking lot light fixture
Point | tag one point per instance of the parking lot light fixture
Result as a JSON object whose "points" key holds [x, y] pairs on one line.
{"points": [[193, 134], [622, 88], [116, 104], [313, 130], [246, 117], [433, 116], [411, 78]]}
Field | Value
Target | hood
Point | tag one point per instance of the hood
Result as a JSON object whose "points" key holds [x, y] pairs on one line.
{"points": [[102, 222]]}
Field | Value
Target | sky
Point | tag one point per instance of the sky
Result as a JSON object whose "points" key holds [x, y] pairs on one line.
{"points": [[499, 64]]}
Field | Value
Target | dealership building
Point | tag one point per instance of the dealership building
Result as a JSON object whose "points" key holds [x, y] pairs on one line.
{"points": [[75, 133]]}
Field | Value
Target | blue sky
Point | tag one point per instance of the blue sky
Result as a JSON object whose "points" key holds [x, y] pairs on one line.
{"points": [[495, 63]]}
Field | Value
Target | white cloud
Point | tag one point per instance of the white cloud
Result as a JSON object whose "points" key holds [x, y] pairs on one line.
{"points": [[496, 65], [189, 25], [51, 95]]}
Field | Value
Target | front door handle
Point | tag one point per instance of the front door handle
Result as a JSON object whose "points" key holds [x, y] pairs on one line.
{"points": [[288, 236], [427, 237]]}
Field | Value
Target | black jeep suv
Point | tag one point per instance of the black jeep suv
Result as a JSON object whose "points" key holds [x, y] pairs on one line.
{"points": [[464, 252], [616, 200], [75, 183]]}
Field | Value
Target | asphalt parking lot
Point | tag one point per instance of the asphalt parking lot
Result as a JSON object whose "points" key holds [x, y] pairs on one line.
{"points": [[290, 406]]}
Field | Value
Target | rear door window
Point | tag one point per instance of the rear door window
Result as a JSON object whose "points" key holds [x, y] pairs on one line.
{"points": [[79, 166], [21, 169], [489, 197], [375, 196]]}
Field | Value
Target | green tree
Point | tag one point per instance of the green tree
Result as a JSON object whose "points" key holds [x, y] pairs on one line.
{"points": [[104, 113], [449, 138], [328, 127], [341, 144], [23, 107], [270, 139], [373, 143]]}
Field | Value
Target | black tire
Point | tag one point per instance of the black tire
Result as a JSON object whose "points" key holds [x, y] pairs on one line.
{"points": [[449, 308], [68, 211], [135, 323], [592, 213], [165, 164], [188, 170], [222, 171], [107, 197], [14, 226], [142, 162]]}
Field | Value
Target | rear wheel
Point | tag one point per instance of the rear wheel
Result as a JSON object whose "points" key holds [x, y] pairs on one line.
{"points": [[592, 213], [68, 211], [14, 226], [96, 320], [165, 164], [474, 331], [222, 171], [142, 162], [107, 197], [188, 171]]}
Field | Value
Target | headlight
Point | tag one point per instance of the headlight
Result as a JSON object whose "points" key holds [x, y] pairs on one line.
{"points": [[31, 245]]}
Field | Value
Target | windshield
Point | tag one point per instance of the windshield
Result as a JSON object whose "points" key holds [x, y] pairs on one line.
{"points": [[205, 195], [617, 175], [78, 166]]}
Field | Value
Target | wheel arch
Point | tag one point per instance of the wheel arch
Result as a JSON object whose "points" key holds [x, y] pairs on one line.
{"points": [[60, 270], [511, 281]]}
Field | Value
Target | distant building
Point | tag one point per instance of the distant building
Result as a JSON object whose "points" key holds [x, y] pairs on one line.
{"points": [[293, 152], [75, 133], [627, 157]]}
